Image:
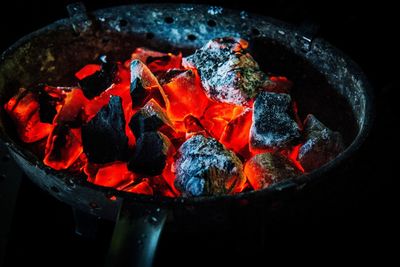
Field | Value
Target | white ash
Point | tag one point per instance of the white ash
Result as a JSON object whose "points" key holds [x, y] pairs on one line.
{"points": [[206, 167], [272, 127], [321, 144], [228, 72]]}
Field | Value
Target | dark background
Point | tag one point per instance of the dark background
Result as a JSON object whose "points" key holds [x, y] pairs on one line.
{"points": [[356, 221]]}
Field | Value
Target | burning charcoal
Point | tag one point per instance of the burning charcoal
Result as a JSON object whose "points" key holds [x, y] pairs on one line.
{"points": [[157, 61], [115, 175], [161, 187], [99, 81], [72, 111], [104, 138], [265, 169], [272, 127], [185, 96], [151, 117], [206, 167], [228, 73], [217, 116], [49, 99], [87, 70], [167, 76], [23, 109], [143, 187], [321, 144], [152, 150], [193, 126], [63, 148], [144, 86], [236, 134]]}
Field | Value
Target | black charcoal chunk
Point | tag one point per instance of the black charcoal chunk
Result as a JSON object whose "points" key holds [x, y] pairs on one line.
{"points": [[103, 137], [228, 72], [265, 169], [152, 150], [99, 81], [321, 144], [151, 117], [144, 85], [47, 104], [272, 127], [138, 93], [167, 76], [206, 167]]}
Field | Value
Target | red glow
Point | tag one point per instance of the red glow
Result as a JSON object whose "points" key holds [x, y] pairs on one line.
{"points": [[236, 134], [87, 71], [280, 84], [23, 109], [141, 188], [156, 61], [115, 174], [183, 99], [292, 155], [63, 147], [72, 111], [185, 96]]}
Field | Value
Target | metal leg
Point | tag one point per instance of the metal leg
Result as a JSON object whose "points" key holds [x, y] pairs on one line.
{"points": [[85, 224], [136, 235]]}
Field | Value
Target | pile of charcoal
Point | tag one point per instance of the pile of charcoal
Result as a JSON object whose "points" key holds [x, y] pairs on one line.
{"points": [[210, 123]]}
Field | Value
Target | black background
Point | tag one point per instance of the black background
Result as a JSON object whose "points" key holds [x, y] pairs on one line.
{"points": [[358, 223]]}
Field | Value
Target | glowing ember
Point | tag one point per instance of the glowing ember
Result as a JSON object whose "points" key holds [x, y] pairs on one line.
{"points": [[133, 118]]}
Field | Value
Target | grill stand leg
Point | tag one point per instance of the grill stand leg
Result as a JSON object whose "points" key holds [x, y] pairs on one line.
{"points": [[85, 224]]}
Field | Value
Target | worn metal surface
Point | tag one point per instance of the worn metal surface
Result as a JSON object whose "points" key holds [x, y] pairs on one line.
{"points": [[327, 83]]}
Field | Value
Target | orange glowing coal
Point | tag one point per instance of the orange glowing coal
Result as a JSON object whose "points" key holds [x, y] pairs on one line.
{"points": [[178, 92]]}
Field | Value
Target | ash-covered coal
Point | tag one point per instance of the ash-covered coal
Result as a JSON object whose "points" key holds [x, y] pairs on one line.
{"points": [[206, 167], [228, 72], [265, 169], [99, 81], [151, 152], [321, 144], [272, 127], [150, 117], [103, 137]]}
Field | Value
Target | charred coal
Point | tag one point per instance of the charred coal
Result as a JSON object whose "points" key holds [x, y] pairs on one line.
{"points": [[104, 139], [321, 144], [150, 117], [47, 103], [96, 83], [265, 169], [152, 150]]}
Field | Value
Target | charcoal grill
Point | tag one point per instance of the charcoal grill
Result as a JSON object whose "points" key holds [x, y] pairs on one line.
{"points": [[327, 82]]}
